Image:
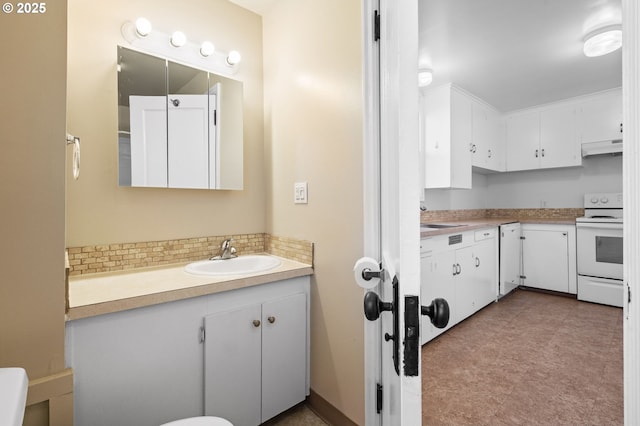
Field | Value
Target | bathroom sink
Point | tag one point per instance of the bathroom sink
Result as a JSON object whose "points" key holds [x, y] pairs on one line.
{"points": [[249, 264], [439, 225], [13, 395]]}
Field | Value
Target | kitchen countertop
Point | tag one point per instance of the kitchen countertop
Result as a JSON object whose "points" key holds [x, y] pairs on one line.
{"points": [[97, 294], [472, 224]]}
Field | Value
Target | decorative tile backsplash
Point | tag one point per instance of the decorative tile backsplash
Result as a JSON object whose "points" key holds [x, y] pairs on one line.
{"points": [[454, 215], [124, 256]]}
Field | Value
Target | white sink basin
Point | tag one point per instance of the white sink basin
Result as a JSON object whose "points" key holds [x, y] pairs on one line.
{"points": [[13, 395], [249, 264]]}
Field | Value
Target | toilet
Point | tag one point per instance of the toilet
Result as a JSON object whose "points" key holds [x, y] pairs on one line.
{"points": [[200, 421]]}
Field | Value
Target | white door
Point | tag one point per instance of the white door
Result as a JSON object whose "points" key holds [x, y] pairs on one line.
{"points": [[148, 118], [391, 208], [188, 141]]}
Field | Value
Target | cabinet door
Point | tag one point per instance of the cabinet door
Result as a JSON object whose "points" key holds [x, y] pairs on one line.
{"points": [[600, 118], [559, 145], [461, 142], [465, 285], [436, 276], [545, 261], [283, 354], [509, 257], [488, 143], [233, 365], [485, 255], [523, 141]]}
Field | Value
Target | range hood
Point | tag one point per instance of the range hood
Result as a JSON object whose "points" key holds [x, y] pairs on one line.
{"points": [[613, 147]]}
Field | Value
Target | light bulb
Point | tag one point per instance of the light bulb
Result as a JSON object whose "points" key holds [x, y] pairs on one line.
{"points": [[425, 77], [207, 48], [234, 57], [143, 27], [178, 39]]}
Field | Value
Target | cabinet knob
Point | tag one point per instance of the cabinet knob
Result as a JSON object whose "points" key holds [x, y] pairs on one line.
{"points": [[256, 323], [271, 320]]}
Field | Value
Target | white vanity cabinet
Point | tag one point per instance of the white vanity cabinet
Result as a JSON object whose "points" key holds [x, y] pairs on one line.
{"points": [[461, 268], [549, 257], [255, 360], [149, 366]]}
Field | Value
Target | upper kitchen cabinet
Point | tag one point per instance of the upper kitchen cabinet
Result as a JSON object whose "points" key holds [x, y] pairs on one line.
{"points": [[600, 117], [542, 138], [487, 147], [447, 128]]}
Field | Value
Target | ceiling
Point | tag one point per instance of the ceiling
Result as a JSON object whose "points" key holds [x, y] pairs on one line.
{"points": [[512, 53], [517, 53]]}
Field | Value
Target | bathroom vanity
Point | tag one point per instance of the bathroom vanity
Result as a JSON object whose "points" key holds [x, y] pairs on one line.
{"points": [[240, 352]]}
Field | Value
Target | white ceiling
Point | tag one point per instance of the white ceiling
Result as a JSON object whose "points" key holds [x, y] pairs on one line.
{"points": [[512, 53], [517, 53]]}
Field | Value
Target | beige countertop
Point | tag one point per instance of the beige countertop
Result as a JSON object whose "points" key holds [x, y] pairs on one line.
{"points": [[96, 294], [472, 224]]}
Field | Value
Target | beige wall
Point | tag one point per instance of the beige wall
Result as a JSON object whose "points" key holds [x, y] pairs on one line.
{"points": [[100, 212], [313, 133], [32, 168]]}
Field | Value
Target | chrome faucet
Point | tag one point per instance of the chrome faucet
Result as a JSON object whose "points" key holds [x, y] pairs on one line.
{"points": [[228, 251]]}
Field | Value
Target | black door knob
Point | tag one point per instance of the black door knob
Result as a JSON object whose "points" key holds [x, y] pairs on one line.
{"points": [[373, 306], [438, 311]]}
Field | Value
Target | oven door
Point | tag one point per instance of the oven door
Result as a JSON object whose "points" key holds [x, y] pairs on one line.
{"points": [[599, 249]]}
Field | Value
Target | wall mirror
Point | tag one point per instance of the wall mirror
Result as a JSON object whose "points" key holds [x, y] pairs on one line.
{"points": [[178, 126]]}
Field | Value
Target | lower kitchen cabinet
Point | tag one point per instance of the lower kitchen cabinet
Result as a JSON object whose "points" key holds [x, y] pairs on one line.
{"points": [[255, 360], [549, 257], [462, 269], [149, 366]]}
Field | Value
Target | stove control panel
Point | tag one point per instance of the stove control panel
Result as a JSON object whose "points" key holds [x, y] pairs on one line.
{"points": [[610, 200]]}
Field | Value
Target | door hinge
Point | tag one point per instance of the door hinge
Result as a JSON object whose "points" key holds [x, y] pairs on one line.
{"points": [[376, 26], [215, 117], [523, 277], [202, 334], [628, 294], [378, 398]]}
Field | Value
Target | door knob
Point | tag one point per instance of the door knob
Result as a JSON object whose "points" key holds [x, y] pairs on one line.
{"points": [[438, 311], [373, 306]]}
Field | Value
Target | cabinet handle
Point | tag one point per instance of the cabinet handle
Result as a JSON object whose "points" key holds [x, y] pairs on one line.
{"points": [[537, 153], [543, 152], [477, 262], [256, 323], [489, 153], [458, 269], [620, 127], [271, 320], [454, 270]]}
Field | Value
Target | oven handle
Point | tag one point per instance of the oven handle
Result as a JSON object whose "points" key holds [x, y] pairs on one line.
{"points": [[600, 225]]}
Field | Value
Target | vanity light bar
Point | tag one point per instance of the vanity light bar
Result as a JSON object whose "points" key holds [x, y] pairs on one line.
{"points": [[177, 46]]}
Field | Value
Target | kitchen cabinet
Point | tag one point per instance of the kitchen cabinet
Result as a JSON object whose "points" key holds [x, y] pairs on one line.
{"points": [[461, 268], [146, 366], [542, 138], [487, 146], [447, 137], [600, 117], [510, 257], [549, 257], [255, 360]]}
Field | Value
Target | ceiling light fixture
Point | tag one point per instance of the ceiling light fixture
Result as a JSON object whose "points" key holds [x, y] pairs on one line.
{"points": [[425, 77], [602, 41]]}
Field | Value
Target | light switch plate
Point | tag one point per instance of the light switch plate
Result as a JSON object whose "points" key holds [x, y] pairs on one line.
{"points": [[300, 193]]}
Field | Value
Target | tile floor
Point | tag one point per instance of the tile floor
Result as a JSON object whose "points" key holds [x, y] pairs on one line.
{"points": [[299, 415]]}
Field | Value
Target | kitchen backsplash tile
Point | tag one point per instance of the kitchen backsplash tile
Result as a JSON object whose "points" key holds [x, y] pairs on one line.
{"points": [[444, 215], [125, 256]]}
